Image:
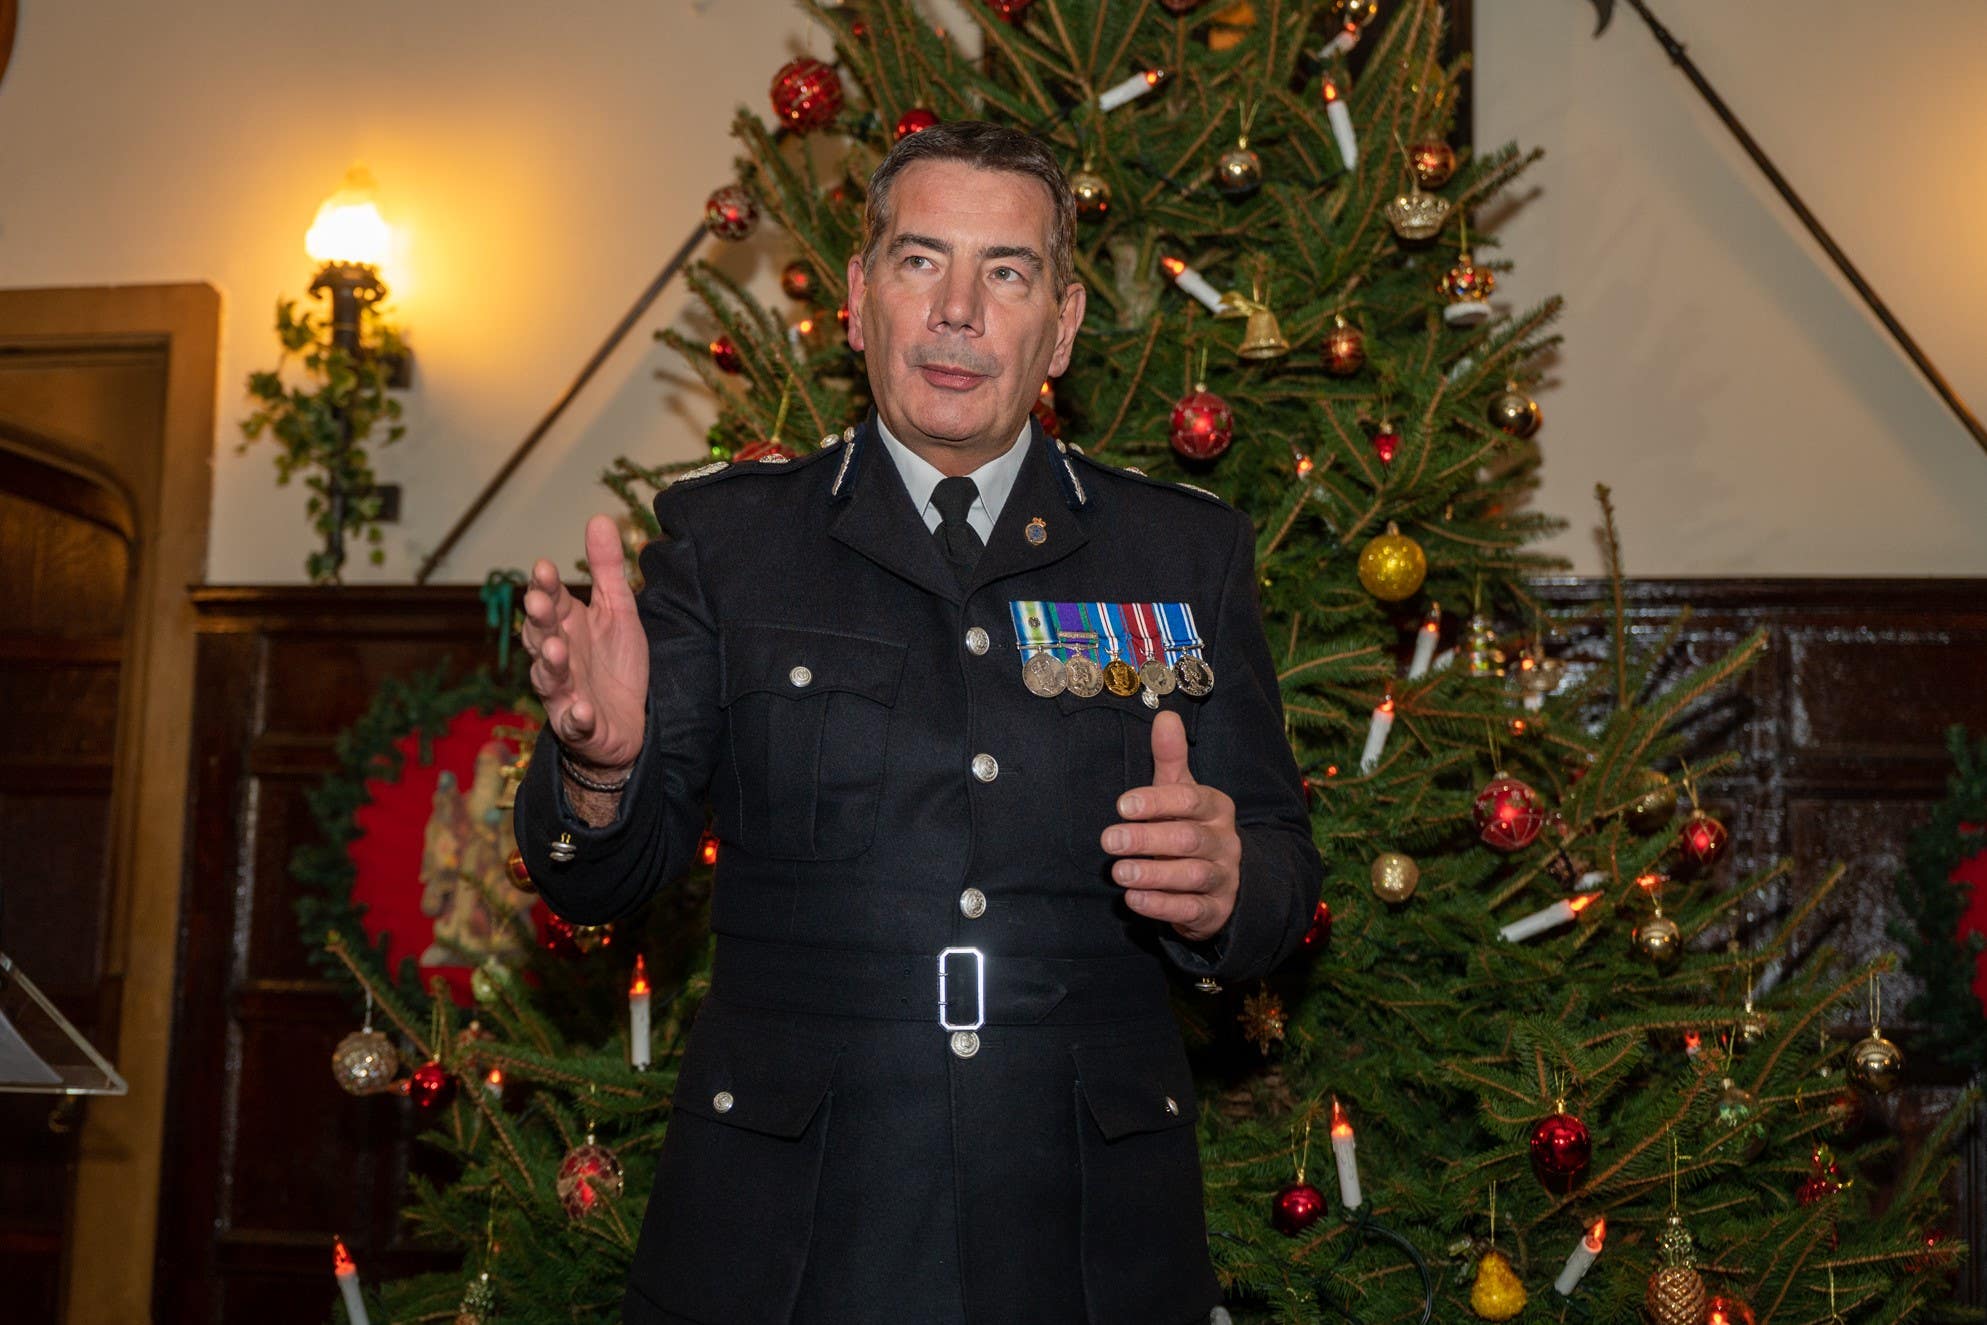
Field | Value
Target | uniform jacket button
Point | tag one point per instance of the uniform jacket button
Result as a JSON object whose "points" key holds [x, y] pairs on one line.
{"points": [[965, 1043], [973, 903], [801, 676], [985, 767], [977, 641], [1172, 1106], [563, 850], [722, 1101]]}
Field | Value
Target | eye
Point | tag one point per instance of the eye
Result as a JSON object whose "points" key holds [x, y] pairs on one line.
{"points": [[916, 257], [1006, 275]]}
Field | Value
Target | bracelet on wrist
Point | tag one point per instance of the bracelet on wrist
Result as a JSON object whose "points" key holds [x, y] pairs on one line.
{"points": [[585, 783]]}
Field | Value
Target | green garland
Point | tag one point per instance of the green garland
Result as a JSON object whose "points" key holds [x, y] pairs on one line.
{"points": [[421, 706], [1953, 1029]]}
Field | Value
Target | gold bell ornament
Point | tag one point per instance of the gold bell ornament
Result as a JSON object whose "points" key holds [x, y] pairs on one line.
{"points": [[1262, 338]]}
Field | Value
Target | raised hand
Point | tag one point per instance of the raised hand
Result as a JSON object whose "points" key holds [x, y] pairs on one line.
{"points": [[589, 661], [1179, 856]]}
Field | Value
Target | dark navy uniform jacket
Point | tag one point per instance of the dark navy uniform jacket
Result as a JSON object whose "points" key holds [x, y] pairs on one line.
{"points": [[816, 676]]}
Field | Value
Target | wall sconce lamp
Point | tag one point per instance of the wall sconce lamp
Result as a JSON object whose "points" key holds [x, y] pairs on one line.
{"points": [[350, 238]]}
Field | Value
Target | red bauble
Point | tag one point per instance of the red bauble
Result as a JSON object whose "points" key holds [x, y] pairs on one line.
{"points": [[1724, 1309], [431, 1086], [1561, 1149], [1386, 444], [726, 356], [1931, 1258], [914, 119], [1296, 1208], [1203, 425], [1508, 814], [520, 875], [807, 94], [760, 450], [1823, 1181], [1045, 414], [1320, 931], [1702, 841], [730, 213], [1011, 10], [797, 280]]}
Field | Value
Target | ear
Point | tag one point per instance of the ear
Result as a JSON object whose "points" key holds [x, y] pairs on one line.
{"points": [[857, 284], [1069, 319]]}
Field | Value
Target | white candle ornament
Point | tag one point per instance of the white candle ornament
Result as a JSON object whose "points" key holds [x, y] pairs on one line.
{"points": [[638, 1017], [1344, 1158], [347, 1275], [1348, 37], [1339, 116], [1376, 736], [1130, 90], [1194, 284], [1562, 912], [1585, 1252], [1425, 640]]}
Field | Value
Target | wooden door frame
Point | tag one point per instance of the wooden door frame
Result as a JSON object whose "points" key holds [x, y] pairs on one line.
{"points": [[115, 1209]]}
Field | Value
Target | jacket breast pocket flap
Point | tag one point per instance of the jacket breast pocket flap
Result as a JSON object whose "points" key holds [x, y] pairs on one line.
{"points": [[1107, 750], [807, 716], [1141, 1086]]}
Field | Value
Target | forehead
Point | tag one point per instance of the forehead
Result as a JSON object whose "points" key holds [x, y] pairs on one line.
{"points": [[953, 199]]}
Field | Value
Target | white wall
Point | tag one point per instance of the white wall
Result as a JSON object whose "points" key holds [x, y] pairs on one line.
{"points": [[541, 163]]}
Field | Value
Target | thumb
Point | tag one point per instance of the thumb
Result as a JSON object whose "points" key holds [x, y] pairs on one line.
{"points": [[605, 560], [1169, 751]]}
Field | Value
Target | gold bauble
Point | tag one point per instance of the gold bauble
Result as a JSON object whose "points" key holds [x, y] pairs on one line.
{"points": [[1652, 811], [1345, 348], [1395, 876], [1238, 171], [1433, 163], [1498, 1293], [1355, 13], [1514, 413], [1875, 1064], [1751, 1030], [1676, 1296], [1392, 566], [1659, 939], [364, 1063], [1092, 195], [1231, 25]]}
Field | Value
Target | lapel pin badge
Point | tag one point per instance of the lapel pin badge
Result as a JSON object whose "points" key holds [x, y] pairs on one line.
{"points": [[1037, 532]]}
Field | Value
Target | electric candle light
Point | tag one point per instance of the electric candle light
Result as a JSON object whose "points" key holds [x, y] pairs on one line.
{"points": [[1340, 117], [347, 1275], [1424, 643], [638, 1017], [493, 1083], [1564, 911], [1585, 1252], [1343, 1157], [1376, 735], [1348, 37], [1194, 284], [1131, 89]]}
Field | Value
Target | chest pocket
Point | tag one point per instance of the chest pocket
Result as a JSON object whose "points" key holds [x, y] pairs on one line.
{"points": [[1107, 750], [808, 717]]}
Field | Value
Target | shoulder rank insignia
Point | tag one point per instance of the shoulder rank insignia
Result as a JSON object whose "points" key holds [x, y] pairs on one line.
{"points": [[702, 471]]}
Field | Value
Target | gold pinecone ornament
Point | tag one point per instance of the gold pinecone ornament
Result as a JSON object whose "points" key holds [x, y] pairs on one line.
{"points": [[1676, 1291]]}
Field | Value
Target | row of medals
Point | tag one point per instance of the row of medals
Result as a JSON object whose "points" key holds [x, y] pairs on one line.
{"points": [[1048, 676]]}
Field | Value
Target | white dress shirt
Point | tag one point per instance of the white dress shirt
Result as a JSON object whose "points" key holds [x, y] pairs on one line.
{"points": [[994, 479]]}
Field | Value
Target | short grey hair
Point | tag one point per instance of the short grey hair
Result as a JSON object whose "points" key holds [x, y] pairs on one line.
{"points": [[985, 147]]}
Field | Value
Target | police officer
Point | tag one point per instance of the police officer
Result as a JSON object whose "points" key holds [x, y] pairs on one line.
{"points": [[994, 745]]}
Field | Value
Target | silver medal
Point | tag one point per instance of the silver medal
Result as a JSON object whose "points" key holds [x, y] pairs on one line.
{"points": [[1196, 677], [1086, 678], [1157, 677], [1044, 675]]}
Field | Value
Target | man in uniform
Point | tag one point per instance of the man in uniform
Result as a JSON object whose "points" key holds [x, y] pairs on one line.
{"points": [[994, 744]]}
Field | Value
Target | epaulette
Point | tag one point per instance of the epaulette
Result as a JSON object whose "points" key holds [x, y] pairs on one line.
{"points": [[1133, 472], [773, 462]]}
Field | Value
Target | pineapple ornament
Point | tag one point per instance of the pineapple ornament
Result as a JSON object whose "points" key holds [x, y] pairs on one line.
{"points": [[1676, 1294]]}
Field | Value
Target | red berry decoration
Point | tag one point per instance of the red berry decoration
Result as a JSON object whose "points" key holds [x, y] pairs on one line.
{"points": [[1203, 425], [1824, 1179], [725, 355], [1011, 10], [1508, 814], [760, 450], [807, 94], [1296, 1208], [1386, 443], [431, 1086], [1561, 1149], [1320, 931], [1702, 841], [730, 213], [797, 280], [915, 119]]}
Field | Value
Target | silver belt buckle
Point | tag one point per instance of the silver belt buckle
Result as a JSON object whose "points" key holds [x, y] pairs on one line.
{"points": [[979, 990]]}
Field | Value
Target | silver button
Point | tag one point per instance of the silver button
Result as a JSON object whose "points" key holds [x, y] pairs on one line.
{"points": [[985, 767], [973, 903], [1172, 1106], [800, 676], [976, 641], [965, 1043], [722, 1101], [563, 850], [1207, 984]]}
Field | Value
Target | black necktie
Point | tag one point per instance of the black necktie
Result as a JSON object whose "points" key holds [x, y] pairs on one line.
{"points": [[958, 542]]}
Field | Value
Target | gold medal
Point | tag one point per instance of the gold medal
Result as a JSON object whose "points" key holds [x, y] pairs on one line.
{"points": [[1044, 675], [1086, 678], [1196, 677], [1157, 677], [1120, 678]]}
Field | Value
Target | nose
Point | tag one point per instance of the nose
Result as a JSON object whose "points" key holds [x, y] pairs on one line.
{"points": [[958, 305]]}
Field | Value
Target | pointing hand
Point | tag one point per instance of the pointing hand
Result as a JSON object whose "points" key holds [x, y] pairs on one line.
{"points": [[1179, 856]]}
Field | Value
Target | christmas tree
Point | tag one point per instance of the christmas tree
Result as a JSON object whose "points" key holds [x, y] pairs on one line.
{"points": [[1554, 1063]]}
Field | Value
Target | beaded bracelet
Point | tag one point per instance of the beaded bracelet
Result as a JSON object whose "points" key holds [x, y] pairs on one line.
{"points": [[586, 783]]}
